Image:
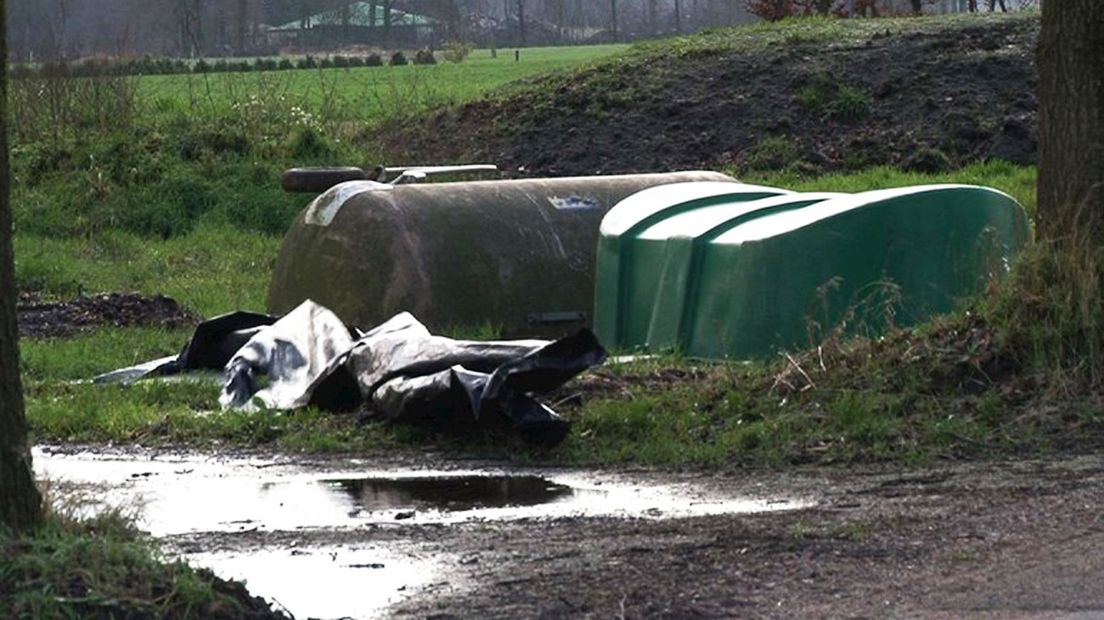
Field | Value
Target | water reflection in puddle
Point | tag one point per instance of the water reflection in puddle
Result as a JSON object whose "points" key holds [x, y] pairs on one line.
{"points": [[324, 582], [195, 495], [450, 493]]}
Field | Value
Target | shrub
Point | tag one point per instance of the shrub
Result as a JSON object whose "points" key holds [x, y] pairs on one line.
{"points": [[398, 59], [775, 10], [850, 103], [839, 101], [285, 64], [928, 160], [771, 10], [457, 51], [773, 153], [326, 63], [165, 66], [308, 62], [201, 66], [308, 143], [373, 60], [424, 56], [340, 62]]}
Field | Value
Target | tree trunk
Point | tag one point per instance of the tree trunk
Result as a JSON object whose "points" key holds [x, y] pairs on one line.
{"points": [[678, 16], [346, 19], [20, 504], [197, 28], [387, 20], [613, 19], [652, 21], [452, 21], [243, 25], [1071, 119], [521, 21]]}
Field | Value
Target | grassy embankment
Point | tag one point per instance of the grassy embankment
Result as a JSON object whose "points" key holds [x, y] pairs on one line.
{"points": [[101, 567], [713, 414], [176, 177], [128, 209]]}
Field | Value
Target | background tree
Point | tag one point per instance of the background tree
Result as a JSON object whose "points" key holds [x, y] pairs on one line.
{"points": [[1071, 120], [20, 504], [521, 20], [613, 19]]}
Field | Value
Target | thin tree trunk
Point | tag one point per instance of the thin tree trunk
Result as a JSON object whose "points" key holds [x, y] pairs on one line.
{"points": [[521, 21], [373, 7], [1071, 119], [20, 504], [197, 28], [387, 20], [243, 19], [346, 18], [678, 16], [613, 19]]}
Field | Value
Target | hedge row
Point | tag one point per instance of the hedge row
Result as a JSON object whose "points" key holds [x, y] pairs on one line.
{"points": [[174, 66]]}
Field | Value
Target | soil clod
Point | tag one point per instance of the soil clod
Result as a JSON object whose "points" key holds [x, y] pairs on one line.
{"points": [[40, 318]]}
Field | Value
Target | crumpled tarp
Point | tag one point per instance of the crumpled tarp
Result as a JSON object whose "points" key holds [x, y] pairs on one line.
{"points": [[397, 370]]}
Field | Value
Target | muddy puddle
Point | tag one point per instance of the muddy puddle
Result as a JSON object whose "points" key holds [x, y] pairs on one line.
{"points": [[229, 512]]}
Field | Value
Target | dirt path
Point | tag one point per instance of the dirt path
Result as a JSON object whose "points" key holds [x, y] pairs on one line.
{"points": [[990, 540], [1001, 541]]}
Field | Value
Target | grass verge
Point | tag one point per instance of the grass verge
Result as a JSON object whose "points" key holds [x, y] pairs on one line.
{"points": [[102, 568], [1015, 373]]}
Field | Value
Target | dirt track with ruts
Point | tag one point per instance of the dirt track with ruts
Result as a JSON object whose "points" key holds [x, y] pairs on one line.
{"points": [[1004, 540]]}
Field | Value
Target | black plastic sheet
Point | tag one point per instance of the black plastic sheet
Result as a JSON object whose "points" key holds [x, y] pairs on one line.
{"points": [[398, 371]]}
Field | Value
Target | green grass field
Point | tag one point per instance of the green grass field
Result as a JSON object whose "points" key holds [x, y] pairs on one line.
{"points": [[368, 93], [216, 269], [158, 156]]}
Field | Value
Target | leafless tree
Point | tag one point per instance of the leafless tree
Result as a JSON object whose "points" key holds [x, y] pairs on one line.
{"points": [[20, 503], [613, 19]]}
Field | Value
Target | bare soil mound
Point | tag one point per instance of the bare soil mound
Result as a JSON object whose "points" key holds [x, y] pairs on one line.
{"points": [[59, 319], [924, 94]]}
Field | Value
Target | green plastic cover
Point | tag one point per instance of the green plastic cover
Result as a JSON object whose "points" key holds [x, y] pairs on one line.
{"points": [[744, 274]]}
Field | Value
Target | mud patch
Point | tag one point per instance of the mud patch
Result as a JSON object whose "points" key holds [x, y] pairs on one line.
{"points": [[960, 540], [39, 318], [184, 494], [350, 538]]}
